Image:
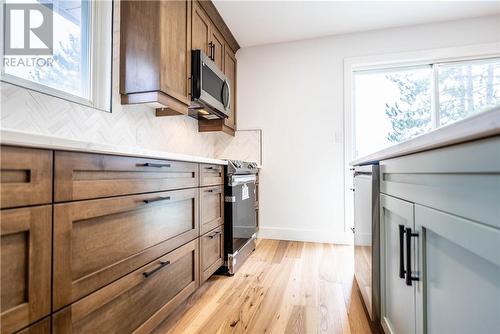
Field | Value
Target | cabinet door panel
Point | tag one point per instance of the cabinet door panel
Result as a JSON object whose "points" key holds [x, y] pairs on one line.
{"points": [[175, 48], [460, 266], [218, 45], [26, 241], [211, 208], [230, 72], [398, 299], [200, 29]]}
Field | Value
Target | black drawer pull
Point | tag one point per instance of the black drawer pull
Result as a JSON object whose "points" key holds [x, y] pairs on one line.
{"points": [[163, 264], [401, 250], [409, 277], [151, 164], [213, 168], [211, 236], [213, 191], [157, 199]]}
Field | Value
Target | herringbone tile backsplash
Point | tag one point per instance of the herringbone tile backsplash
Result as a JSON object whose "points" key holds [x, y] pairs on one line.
{"points": [[132, 126]]}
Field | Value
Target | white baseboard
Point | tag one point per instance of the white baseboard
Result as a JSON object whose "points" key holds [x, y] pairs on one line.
{"points": [[293, 234]]}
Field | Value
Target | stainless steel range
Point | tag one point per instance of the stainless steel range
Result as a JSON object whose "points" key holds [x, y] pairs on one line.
{"points": [[240, 225]]}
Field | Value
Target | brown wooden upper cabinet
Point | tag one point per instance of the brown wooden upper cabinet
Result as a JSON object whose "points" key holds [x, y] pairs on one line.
{"points": [[155, 52], [156, 39]]}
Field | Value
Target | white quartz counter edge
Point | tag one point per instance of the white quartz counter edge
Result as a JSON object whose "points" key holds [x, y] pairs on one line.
{"points": [[483, 125], [19, 138]]}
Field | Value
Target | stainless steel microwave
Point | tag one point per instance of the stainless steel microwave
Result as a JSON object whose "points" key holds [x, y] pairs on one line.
{"points": [[210, 90]]}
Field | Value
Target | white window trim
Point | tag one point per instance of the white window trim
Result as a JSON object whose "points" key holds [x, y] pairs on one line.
{"points": [[393, 60], [100, 53]]}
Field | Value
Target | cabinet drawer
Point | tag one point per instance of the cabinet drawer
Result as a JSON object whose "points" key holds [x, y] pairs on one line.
{"points": [[137, 302], [211, 175], [211, 252], [98, 241], [26, 241], [85, 176], [463, 180], [26, 176], [41, 327], [211, 208]]}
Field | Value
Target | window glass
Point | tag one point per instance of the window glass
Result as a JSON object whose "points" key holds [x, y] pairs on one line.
{"points": [[68, 68], [391, 106], [467, 88]]}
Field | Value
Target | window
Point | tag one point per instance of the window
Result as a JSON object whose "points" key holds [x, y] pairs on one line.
{"points": [[396, 104], [74, 62]]}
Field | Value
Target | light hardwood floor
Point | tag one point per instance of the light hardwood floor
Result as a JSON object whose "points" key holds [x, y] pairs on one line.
{"points": [[284, 287]]}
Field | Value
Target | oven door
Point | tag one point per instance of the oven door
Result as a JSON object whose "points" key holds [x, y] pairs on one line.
{"points": [[241, 200]]}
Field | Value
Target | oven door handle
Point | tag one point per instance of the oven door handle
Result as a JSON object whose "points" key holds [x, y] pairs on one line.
{"points": [[237, 180]]}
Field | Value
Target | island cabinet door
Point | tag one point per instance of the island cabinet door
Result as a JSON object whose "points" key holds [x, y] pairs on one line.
{"points": [[99, 241], [459, 265], [398, 298], [25, 246], [138, 302], [211, 252]]}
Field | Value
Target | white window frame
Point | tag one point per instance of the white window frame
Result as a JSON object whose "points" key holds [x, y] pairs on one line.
{"points": [[99, 56], [396, 60]]}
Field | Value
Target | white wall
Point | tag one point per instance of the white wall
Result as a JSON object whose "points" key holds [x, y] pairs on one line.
{"points": [[294, 93]]}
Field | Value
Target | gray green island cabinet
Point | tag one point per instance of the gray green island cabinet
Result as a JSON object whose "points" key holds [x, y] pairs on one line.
{"points": [[440, 201]]}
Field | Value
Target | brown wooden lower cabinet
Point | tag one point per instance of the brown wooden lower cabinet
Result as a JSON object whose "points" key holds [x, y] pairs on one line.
{"points": [[211, 252], [211, 175], [99, 241], [41, 327], [26, 246], [211, 208], [137, 302]]}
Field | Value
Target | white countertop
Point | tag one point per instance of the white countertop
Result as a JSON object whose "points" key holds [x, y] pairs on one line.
{"points": [[483, 125], [19, 138]]}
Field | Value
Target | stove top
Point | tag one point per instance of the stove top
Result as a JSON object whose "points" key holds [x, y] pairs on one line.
{"points": [[241, 167]]}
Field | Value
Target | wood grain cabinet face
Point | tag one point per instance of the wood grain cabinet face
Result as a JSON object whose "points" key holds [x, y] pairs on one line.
{"points": [[41, 327], [155, 51], [200, 33], [26, 241], [218, 47], [84, 176], [26, 176], [211, 252], [98, 241], [211, 175], [137, 302], [230, 72], [211, 208]]}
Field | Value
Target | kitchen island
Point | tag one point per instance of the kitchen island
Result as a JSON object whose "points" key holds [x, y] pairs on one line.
{"points": [[440, 229]]}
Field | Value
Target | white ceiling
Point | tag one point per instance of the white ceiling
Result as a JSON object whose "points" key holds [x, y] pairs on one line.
{"points": [[264, 22]]}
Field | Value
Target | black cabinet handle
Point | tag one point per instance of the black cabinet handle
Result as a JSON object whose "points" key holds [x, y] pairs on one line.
{"points": [[409, 277], [157, 199], [150, 164], [211, 46], [211, 236], [213, 56], [213, 168], [401, 250], [163, 264], [213, 191]]}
